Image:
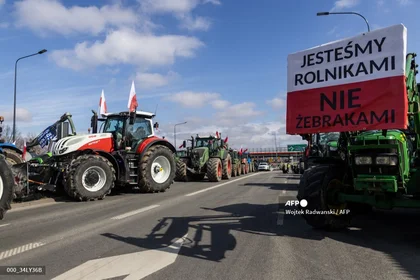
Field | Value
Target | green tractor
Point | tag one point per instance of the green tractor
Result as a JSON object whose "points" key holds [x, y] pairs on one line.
{"points": [[378, 169], [236, 163], [207, 157], [320, 145]]}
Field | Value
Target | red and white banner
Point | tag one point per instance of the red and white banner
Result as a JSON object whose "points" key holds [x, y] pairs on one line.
{"points": [[102, 104], [132, 99], [349, 85]]}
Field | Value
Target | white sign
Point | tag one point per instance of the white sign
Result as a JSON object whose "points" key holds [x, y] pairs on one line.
{"points": [[373, 55]]}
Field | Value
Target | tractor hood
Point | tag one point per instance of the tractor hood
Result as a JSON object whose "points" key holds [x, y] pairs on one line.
{"points": [[200, 151], [376, 137], [74, 143]]}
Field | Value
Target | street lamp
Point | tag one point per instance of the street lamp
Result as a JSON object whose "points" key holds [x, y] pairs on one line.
{"points": [[14, 100], [175, 131], [344, 13]]}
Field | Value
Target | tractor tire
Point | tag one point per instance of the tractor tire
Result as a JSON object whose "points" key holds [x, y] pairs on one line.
{"points": [[227, 168], [12, 156], [313, 188], [181, 174], [6, 187], [234, 170], [238, 169], [214, 170], [157, 157], [103, 176]]}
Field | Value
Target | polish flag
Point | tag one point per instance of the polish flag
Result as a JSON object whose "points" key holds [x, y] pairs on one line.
{"points": [[132, 99], [226, 139], [24, 149], [217, 134], [102, 104]]}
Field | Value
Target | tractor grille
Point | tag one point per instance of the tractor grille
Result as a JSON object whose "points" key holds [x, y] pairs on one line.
{"points": [[374, 152], [197, 154]]}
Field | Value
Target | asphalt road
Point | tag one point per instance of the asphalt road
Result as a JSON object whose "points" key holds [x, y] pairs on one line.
{"points": [[230, 230]]}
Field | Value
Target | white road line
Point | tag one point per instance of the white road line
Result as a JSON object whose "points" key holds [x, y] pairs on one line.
{"points": [[283, 191], [135, 212], [220, 185], [20, 249], [4, 225]]}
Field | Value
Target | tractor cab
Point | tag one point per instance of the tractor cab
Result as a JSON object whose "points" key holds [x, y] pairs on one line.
{"points": [[129, 130], [211, 142]]}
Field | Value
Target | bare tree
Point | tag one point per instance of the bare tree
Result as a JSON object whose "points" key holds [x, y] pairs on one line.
{"points": [[37, 149], [7, 135]]}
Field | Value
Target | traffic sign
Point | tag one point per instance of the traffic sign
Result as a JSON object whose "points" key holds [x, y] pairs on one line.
{"points": [[296, 148]]}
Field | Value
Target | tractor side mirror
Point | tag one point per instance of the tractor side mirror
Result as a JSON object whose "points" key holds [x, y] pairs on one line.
{"points": [[156, 125], [184, 144], [132, 118]]}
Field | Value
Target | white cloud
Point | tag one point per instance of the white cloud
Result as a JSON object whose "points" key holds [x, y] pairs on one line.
{"points": [[277, 102], [22, 115], [154, 80], [126, 46], [239, 112], [180, 9], [43, 16], [344, 4], [219, 104], [190, 99]]}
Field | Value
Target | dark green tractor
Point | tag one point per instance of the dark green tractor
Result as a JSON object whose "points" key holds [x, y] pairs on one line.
{"points": [[378, 169], [208, 157]]}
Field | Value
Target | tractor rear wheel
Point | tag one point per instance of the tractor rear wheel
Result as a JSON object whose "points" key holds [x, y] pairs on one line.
{"points": [[227, 167], [89, 177], [214, 170], [181, 174], [157, 169], [317, 186], [239, 170], [6, 187], [12, 156]]}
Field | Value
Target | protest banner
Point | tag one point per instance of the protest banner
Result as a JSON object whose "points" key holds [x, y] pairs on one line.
{"points": [[349, 85]]}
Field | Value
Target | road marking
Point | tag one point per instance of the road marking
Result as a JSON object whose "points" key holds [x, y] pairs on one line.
{"points": [[220, 185], [135, 265], [135, 212], [19, 250], [4, 225], [283, 191]]}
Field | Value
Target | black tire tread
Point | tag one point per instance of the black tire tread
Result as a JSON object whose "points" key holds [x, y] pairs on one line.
{"points": [[225, 173], [69, 185], [212, 167]]}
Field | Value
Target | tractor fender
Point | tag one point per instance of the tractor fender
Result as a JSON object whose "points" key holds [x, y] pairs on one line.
{"points": [[11, 147], [147, 143], [106, 155]]}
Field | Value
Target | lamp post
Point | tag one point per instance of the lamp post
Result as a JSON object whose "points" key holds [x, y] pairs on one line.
{"points": [[14, 100], [344, 13], [175, 131]]}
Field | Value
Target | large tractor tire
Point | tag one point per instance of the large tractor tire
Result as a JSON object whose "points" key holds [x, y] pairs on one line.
{"points": [[318, 186], [227, 168], [157, 169], [234, 170], [239, 169], [6, 187], [12, 156], [89, 177], [181, 174], [214, 170]]}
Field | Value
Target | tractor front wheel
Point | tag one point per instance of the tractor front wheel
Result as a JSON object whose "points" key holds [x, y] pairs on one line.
{"points": [[89, 177], [234, 170], [318, 186], [6, 187], [157, 169], [214, 170], [181, 174], [12, 156], [227, 168]]}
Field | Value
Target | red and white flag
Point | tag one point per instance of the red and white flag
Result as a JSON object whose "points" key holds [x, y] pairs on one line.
{"points": [[132, 99], [24, 149], [102, 104]]}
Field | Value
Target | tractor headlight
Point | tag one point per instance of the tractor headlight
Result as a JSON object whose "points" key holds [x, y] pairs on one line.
{"points": [[387, 160], [363, 160]]}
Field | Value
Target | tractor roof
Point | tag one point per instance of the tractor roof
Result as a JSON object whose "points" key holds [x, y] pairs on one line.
{"points": [[138, 114]]}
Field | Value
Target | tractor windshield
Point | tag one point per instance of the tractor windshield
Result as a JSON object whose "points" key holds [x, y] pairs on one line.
{"points": [[202, 142], [141, 129], [324, 138]]}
